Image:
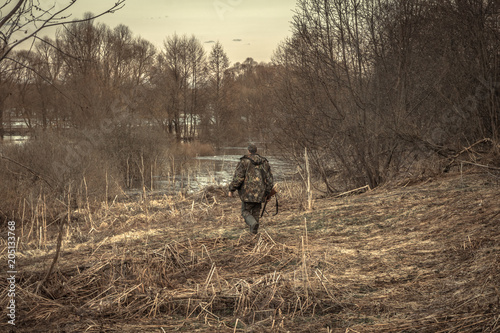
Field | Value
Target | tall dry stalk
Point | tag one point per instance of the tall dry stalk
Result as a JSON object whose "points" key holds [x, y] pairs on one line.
{"points": [[305, 241], [128, 173], [44, 221], [308, 182], [69, 210], [107, 189], [172, 158], [89, 212], [151, 173], [145, 198], [58, 250], [38, 227], [32, 220]]}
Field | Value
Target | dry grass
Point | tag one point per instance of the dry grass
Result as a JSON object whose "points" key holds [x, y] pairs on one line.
{"points": [[418, 258]]}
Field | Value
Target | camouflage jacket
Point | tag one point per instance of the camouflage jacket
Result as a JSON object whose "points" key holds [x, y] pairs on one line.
{"points": [[253, 178]]}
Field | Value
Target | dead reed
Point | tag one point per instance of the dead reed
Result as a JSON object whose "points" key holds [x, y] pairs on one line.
{"points": [[421, 258]]}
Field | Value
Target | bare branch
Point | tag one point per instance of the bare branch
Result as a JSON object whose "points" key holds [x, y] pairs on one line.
{"points": [[42, 21], [12, 12], [33, 172]]}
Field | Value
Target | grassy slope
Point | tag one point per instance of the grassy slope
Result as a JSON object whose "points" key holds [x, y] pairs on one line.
{"points": [[420, 258]]}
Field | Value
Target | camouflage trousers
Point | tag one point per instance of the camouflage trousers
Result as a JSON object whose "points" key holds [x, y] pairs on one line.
{"points": [[251, 213]]}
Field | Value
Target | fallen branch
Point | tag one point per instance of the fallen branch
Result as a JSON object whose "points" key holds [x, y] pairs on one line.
{"points": [[480, 165], [56, 255], [454, 158], [467, 149], [36, 174], [356, 190]]}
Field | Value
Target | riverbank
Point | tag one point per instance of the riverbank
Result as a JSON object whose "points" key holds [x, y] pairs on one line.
{"points": [[423, 257]]}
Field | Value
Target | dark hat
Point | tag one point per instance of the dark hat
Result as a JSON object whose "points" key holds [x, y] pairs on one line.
{"points": [[252, 148]]}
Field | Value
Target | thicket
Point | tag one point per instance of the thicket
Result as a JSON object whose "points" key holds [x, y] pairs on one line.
{"points": [[106, 111], [53, 170], [374, 90], [379, 89]]}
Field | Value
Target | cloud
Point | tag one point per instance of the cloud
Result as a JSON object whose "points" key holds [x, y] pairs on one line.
{"points": [[209, 42], [236, 40]]}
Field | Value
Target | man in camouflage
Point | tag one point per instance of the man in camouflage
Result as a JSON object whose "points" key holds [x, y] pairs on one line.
{"points": [[254, 181]]}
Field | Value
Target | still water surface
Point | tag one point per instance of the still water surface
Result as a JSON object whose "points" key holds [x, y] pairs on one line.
{"points": [[216, 170]]}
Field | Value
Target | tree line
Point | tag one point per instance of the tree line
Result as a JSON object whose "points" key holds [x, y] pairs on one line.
{"points": [[107, 110], [91, 73], [374, 90]]}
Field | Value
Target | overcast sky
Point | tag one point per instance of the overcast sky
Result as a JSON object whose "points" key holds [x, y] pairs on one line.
{"points": [[245, 28]]}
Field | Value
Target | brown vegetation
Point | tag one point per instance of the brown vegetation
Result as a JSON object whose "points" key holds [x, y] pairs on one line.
{"points": [[420, 257], [47, 176], [370, 87], [390, 107]]}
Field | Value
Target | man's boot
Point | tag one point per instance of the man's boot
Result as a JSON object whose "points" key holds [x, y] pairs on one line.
{"points": [[255, 228], [250, 212], [252, 223]]}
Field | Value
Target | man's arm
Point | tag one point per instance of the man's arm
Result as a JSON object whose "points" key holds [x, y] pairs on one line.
{"points": [[238, 178]]}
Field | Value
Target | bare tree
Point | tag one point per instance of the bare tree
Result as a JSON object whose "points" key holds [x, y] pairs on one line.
{"points": [[22, 20], [179, 76], [26, 98], [216, 119], [367, 86], [83, 47], [198, 77], [6, 84], [325, 91], [47, 65], [254, 101]]}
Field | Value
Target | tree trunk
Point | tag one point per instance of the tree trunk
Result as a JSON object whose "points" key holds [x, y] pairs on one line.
{"points": [[1, 123], [3, 97]]}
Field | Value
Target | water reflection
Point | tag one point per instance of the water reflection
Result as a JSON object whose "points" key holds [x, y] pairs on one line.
{"points": [[215, 170], [16, 139]]}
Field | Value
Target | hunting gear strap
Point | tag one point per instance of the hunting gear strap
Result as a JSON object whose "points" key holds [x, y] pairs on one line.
{"points": [[265, 204], [274, 193]]}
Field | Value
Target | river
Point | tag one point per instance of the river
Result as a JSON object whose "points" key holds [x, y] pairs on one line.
{"points": [[215, 170], [203, 171]]}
